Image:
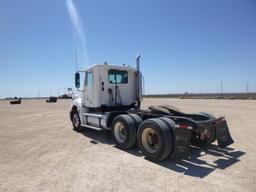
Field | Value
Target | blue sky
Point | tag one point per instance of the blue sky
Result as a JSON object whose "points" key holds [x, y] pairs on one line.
{"points": [[186, 45]]}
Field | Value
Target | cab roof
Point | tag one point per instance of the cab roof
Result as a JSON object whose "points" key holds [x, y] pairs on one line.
{"points": [[111, 66]]}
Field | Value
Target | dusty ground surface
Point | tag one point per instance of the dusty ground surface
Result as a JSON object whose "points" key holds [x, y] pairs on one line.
{"points": [[39, 151]]}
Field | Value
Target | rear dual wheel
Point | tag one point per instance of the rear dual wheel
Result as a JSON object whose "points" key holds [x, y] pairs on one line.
{"points": [[124, 130], [155, 138]]}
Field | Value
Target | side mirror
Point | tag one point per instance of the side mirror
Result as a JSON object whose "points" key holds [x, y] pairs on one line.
{"points": [[77, 80]]}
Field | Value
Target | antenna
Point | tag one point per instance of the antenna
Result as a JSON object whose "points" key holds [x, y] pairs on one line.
{"points": [[76, 53]]}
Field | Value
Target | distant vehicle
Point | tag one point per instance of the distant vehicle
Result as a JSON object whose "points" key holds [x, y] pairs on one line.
{"points": [[51, 100], [15, 101], [65, 96], [111, 100]]}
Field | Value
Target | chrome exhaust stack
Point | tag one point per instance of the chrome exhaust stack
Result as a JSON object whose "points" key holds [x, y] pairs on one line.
{"points": [[138, 63], [138, 83]]}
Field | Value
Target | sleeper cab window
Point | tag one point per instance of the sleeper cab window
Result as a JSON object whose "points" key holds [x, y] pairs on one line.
{"points": [[117, 76], [89, 79]]}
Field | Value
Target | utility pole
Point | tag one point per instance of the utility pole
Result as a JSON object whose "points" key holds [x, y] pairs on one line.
{"points": [[221, 87], [255, 87], [247, 87]]}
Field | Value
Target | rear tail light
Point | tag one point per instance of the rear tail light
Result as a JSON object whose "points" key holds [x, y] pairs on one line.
{"points": [[183, 126]]}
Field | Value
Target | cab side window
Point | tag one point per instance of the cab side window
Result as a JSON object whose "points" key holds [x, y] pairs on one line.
{"points": [[89, 79]]}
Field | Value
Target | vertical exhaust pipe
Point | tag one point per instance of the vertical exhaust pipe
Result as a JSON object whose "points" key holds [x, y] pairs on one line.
{"points": [[139, 87], [138, 62]]}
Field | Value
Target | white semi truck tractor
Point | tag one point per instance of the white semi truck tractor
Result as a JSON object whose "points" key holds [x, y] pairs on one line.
{"points": [[110, 99]]}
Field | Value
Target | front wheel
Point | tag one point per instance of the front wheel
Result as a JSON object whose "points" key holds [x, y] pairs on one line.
{"points": [[76, 121]]}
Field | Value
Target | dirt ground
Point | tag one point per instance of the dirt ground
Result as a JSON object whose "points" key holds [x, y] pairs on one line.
{"points": [[39, 151]]}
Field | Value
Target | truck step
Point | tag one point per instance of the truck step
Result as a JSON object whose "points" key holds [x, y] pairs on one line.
{"points": [[92, 127]]}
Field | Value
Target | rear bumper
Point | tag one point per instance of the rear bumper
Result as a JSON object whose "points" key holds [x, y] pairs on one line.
{"points": [[182, 137]]}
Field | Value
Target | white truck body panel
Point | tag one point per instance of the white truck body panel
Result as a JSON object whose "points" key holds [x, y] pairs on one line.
{"points": [[97, 94]]}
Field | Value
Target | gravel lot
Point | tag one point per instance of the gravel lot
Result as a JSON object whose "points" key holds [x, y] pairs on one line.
{"points": [[41, 152]]}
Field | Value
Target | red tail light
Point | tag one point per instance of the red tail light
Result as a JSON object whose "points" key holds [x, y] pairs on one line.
{"points": [[183, 126]]}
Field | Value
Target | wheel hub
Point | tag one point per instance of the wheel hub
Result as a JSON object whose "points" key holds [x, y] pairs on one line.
{"points": [[120, 132], [150, 140], [76, 120]]}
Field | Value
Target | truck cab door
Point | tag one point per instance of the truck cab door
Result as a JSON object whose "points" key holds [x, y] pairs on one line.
{"points": [[88, 89]]}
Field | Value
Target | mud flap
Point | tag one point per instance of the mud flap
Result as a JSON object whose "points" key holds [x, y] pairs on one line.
{"points": [[222, 134], [181, 142]]}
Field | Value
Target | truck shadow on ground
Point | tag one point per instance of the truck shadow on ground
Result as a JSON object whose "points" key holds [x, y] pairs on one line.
{"points": [[193, 165]]}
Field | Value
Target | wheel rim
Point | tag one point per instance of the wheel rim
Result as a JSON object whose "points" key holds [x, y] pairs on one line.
{"points": [[150, 140], [120, 132], [76, 120]]}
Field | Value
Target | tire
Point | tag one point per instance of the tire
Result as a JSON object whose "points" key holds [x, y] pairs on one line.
{"points": [[124, 132], [171, 108], [159, 110], [76, 121], [136, 119], [171, 125], [209, 115], [196, 141], [165, 109], [155, 139]]}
